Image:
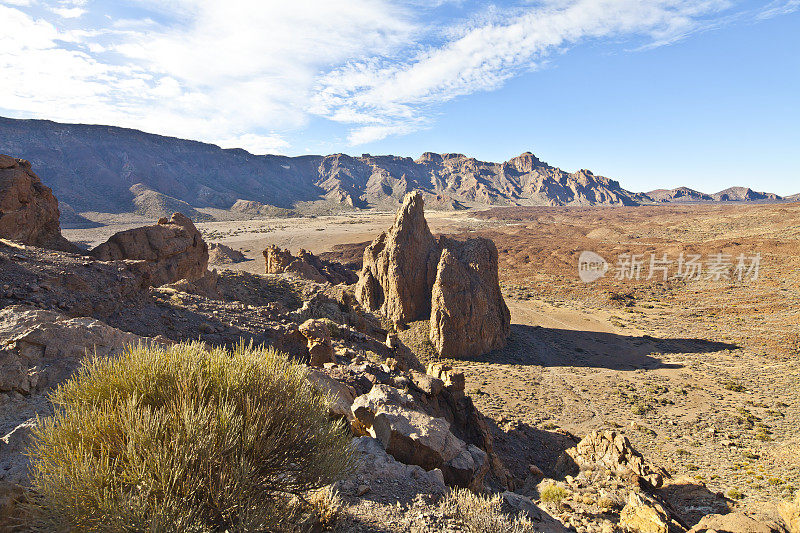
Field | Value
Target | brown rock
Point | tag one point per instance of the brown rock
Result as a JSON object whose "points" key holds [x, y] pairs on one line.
{"points": [[790, 513], [28, 210], [219, 254], [612, 450], [407, 275], [399, 266], [468, 314], [413, 437], [306, 265], [174, 249], [319, 341], [642, 515], [341, 395], [39, 349], [733, 523]]}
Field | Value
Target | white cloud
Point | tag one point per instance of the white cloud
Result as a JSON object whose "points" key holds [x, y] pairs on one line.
{"points": [[68, 12], [257, 144], [397, 95], [202, 69], [239, 71]]}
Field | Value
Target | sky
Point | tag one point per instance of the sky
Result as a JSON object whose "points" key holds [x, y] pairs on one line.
{"points": [[654, 93]]}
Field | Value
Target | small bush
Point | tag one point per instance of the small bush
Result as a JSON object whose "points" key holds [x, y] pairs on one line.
{"points": [[734, 386], [735, 494], [553, 494], [481, 514], [183, 439]]}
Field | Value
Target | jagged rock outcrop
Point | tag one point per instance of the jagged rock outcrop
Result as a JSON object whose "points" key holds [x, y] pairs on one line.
{"points": [[319, 341], [408, 275], [399, 266], [305, 265], [414, 437], [219, 254], [611, 450], [645, 515], [28, 210], [468, 314], [173, 248]]}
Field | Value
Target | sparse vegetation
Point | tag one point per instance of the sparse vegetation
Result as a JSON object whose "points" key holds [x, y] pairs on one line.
{"points": [[734, 386], [482, 514], [734, 494], [553, 494], [183, 439]]}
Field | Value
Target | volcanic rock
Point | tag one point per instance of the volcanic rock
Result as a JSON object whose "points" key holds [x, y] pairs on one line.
{"points": [[407, 275], [413, 437], [468, 314], [219, 254], [40, 348], [174, 249], [28, 210], [399, 266], [319, 341], [306, 265], [611, 450]]}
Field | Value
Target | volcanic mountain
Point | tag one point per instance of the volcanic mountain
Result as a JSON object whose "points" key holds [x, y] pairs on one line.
{"points": [[113, 170]]}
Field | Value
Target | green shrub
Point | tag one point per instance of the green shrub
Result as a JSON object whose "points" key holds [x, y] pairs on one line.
{"points": [[553, 494], [183, 439], [482, 514]]}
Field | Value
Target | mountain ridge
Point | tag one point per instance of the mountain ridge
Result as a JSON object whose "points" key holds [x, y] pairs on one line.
{"points": [[119, 170]]}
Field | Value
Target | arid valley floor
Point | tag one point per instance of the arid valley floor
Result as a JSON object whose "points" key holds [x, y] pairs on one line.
{"points": [[701, 374]]}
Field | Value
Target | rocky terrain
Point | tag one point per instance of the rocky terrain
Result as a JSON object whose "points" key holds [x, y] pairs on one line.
{"points": [[628, 405]]}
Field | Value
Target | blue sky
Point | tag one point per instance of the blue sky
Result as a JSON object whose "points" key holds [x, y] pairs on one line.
{"points": [[655, 93]]}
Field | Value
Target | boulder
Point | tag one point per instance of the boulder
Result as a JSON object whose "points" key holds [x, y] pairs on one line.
{"points": [[611, 450], [399, 266], [643, 515], [413, 437], [39, 349], [790, 513], [733, 523], [374, 467], [28, 210], [320, 350], [173, 248], [340, 394], [468, 314], [306, 265]]}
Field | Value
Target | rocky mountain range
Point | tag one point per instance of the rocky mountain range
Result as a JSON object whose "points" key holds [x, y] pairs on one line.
{"points": [[109, 169], [731, 194]]}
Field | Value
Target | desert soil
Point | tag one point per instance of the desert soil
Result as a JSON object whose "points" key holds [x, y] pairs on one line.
{"points": [[702, 375]]}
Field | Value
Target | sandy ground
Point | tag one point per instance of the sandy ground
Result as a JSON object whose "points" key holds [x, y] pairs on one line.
{"points": [[702, 376]]}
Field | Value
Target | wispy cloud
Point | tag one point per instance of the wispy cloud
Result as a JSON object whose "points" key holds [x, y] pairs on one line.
{"points": [[388, 97], [244, 72]]}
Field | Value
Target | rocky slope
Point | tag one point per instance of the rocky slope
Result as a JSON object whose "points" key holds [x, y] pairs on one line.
{"points": [[110, 169]]}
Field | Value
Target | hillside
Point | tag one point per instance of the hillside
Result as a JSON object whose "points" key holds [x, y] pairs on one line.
{"points": [[108, 169]]}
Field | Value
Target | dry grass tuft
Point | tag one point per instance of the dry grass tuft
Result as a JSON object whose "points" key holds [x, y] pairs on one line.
{"points": [[482, 514], [183, 439]]}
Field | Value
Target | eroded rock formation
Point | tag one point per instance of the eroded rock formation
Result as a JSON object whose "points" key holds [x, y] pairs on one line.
{"points": [[305, 265], [468, 314], [28, 210], [407, 275], [174, 249]]}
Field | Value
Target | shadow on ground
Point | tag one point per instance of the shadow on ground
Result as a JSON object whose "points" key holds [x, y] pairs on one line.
{"points": [[535, 345]]}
